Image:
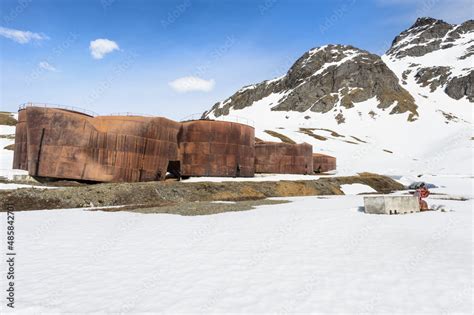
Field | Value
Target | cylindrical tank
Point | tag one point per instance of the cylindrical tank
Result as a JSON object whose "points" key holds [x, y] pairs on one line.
{"points": [[283, 158], [140, 147], [323, 163], [216, 148], [70, 145]]}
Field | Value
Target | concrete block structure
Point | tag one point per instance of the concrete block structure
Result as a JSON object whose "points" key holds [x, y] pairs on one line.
{"points": [[283, 158], [323, 163], [391, 204]]}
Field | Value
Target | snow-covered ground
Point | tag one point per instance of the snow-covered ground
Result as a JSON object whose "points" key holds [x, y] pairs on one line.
{"points": [[6, 156], [388, 144], [15, 186], [355, 189], [315, 254]]}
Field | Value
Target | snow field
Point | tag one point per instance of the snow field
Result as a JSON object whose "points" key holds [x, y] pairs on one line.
{"points": [[315, 254]]}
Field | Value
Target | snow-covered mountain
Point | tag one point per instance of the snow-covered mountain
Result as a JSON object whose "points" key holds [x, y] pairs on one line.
{"points": [[409, 110], [433, 54], [323, 81]]}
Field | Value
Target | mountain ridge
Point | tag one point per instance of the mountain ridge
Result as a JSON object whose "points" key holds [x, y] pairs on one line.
{"points": [[322, 79]]}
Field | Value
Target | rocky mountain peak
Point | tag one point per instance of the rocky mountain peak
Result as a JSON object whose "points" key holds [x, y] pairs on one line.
{"points": [[428, 65], [324, 79], [423, 21], [428, 35], [433, 54]]}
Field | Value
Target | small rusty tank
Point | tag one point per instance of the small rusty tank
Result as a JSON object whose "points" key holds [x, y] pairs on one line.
{"points": [[57, 143], [283, 158], [216, 148], [323, 163]]}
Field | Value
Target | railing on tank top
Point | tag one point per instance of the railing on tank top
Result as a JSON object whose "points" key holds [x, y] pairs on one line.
{"points": [[229, 118], [64, 107]]}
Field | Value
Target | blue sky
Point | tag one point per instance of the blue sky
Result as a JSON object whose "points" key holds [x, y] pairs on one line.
{"points": [[176, 58]]}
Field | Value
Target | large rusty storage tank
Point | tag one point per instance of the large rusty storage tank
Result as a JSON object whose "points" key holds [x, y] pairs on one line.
{"points": [[283, 158], [216, 148], [323, 163], [66, 144], [20, 153]]}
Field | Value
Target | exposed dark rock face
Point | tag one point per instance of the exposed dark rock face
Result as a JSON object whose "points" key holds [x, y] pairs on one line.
{"points": [[427, 35], [433, 77], [446, 67], [325, 77], [459, 87], [468, 53]]}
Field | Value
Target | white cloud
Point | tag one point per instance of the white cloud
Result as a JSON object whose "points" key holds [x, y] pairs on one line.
{"points": [[47, 66], [190, 84], [21, 37], [101, 47]]}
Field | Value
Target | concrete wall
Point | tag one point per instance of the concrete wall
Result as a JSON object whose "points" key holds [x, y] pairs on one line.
{"points": [[391, 204]]}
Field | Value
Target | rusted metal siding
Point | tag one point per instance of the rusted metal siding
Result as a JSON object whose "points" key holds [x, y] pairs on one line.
{"points": [[283, 158], [323, 163], [216, 148], [71, 145], [20, 153]]}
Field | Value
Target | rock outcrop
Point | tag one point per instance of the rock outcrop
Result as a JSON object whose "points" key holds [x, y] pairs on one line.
{"points": [[459, 87]]}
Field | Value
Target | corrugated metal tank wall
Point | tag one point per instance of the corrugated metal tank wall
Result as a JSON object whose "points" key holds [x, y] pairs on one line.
{"points": [[323, 163], [71, 145], [216, 148], [283, 158], [20, 152]]}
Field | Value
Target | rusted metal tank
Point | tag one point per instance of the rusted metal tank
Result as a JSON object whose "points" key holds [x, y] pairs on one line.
{"points": [[20, 153], [323, 163], [58, 143], [283, 158], [216, 148]]}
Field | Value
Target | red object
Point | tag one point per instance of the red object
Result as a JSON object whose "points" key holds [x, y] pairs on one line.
{"points": [[422, 193]]}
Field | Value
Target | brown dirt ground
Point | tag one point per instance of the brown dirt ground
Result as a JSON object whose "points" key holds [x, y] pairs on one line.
{"points": [[7, 119], [278, 135], [198, 207], [172, 192]]}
